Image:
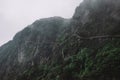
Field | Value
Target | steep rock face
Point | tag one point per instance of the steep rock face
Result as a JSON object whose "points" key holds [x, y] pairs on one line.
{"points": [[31, 46], [38, 39], [98, 17], [93, 26], [82, 48], [93, 18]]}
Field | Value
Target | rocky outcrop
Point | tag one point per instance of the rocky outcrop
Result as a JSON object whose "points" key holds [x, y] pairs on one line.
{"points": [[98, 17], [31, 46]]}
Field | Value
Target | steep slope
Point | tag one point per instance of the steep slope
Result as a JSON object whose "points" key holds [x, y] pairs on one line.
{"points": [[93, 31], [98, 17], [85, 47], [93, 22], [31, 46]]}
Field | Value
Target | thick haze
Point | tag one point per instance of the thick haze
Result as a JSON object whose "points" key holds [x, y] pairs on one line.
{"points": [[17, 14]]}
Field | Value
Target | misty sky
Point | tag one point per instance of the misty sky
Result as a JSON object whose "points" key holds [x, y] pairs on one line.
{"points": [[17, 14]]}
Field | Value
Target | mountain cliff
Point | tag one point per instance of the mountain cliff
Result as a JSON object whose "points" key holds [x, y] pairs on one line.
{"points": [[85, 47]]}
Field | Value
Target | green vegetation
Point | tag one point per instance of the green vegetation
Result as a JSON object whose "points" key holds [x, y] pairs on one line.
{"points": [[81, 66]]}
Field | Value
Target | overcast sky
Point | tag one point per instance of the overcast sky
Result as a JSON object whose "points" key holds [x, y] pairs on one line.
{"points": [[17, 14]]}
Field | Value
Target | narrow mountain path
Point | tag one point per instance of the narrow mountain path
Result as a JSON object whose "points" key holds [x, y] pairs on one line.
{"points": [[97, 37], [92, 37]]}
